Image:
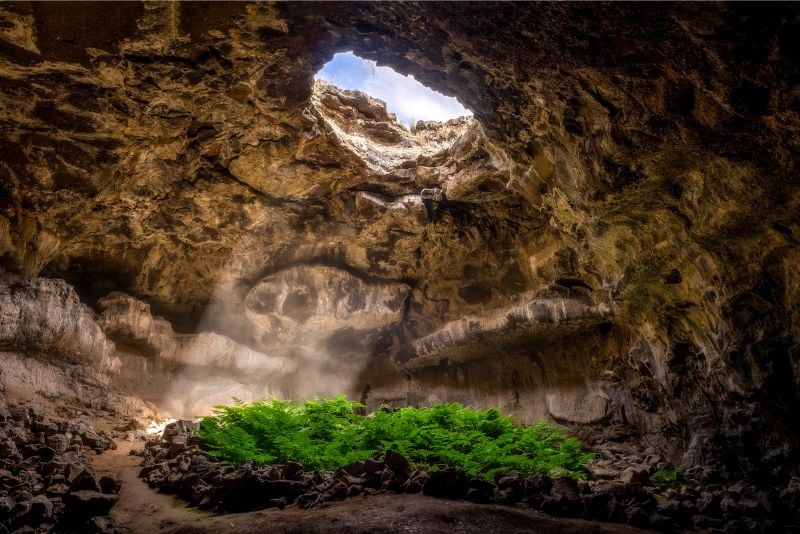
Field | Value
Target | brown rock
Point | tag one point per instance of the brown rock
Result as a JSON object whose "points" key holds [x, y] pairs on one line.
{"points": [[634, 475]]}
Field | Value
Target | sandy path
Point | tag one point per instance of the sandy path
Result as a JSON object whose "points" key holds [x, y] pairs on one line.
{"points": [[141, 509]]}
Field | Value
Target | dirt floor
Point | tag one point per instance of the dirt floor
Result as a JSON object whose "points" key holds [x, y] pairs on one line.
{"points": [[142, 510]]}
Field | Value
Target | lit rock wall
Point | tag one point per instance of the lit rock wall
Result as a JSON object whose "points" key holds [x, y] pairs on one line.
{"points": [[46, 317], [635, 158]]}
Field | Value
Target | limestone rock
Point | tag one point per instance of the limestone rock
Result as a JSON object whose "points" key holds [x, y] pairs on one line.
{"points": [[305, 304], [183, 155], [46, 315], [129, 321]]}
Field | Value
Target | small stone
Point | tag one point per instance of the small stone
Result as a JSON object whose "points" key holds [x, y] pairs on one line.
{"points": [[477, 496], [277, 503], [58, 442], [7, 448], [93, 440], [109, 485], [56, 490], [99, 525], [177, 445], [635, 475], [603, 473], [41, 507]]}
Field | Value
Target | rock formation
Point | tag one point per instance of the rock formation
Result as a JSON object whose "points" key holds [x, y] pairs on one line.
{"points": [[611, 239]]}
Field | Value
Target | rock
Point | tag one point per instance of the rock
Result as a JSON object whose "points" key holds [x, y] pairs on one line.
{"points": [[99, 525], [47, 315], [84, 504], [596, 506], [510, 481], [85, 480], [566, 487], [7, 449], [178, 428], [638, 517], [635, 475], [477, 495], [45, 427], [177, 445], [58, 442], [277, 503], [6, 505], [40, 508], [109, 485], [372, 466], [450, 483], [538, 484], [397, 463], [604, 473], [57, 490], [95, 441], [21, 414], [292, 469], [308, 499], [344, 311], [148, 469]]}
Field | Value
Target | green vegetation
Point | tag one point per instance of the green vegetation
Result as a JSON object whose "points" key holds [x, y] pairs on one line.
{"points": [[328, 434], [666, 476]]}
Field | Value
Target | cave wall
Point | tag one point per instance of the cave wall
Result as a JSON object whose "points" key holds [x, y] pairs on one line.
{"points": [[635, 160]]}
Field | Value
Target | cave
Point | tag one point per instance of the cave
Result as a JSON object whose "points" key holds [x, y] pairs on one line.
{"points": [[602, 237]]}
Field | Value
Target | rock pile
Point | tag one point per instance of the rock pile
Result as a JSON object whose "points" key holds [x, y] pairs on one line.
{"points": [[47, 482], [175, 463]]}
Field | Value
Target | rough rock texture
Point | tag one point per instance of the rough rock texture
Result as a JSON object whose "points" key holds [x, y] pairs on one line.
{"points": [[635, 160], [173, 463], [186, 373], [302, 304], [41, 315], [47, 483]]}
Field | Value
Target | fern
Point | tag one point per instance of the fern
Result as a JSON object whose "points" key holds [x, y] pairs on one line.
{"points": [[328, 434]]}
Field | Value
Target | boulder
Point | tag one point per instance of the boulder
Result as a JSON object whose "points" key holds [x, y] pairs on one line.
{"points": [[58, 442], [85, 480], [635, 475], [40, 508], [85, 504], [397, 463], [450, 483]]}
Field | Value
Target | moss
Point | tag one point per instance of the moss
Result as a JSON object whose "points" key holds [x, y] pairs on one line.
{"points": [[666, 476]]}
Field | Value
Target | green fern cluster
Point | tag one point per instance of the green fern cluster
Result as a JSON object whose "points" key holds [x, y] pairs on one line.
{"points": [[328, 434]]}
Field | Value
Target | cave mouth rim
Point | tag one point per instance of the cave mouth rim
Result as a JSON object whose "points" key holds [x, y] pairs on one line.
{"points": [[348, 71]]}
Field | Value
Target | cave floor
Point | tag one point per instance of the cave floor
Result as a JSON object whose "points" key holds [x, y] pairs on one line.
{"points": [[141, 509]]}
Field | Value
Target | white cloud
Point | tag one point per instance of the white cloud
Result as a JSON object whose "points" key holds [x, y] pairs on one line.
{"points": [[404, 96]]}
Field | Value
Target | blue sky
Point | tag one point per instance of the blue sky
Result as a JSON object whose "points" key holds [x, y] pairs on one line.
{"points": [[404, 96]]}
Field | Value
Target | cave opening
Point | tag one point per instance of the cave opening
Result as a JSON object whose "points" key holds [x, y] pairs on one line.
{"points": [[582, 301], [407, 98]]}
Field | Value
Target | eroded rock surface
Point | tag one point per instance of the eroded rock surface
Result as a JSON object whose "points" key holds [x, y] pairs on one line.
{"points": [[638, 160], [304, 304], [44, 316]]}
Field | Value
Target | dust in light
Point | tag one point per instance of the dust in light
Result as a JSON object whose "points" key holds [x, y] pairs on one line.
{"points": [[404, 96]]}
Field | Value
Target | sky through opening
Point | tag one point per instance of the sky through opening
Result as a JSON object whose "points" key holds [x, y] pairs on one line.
{"points": [[404, 96]]}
